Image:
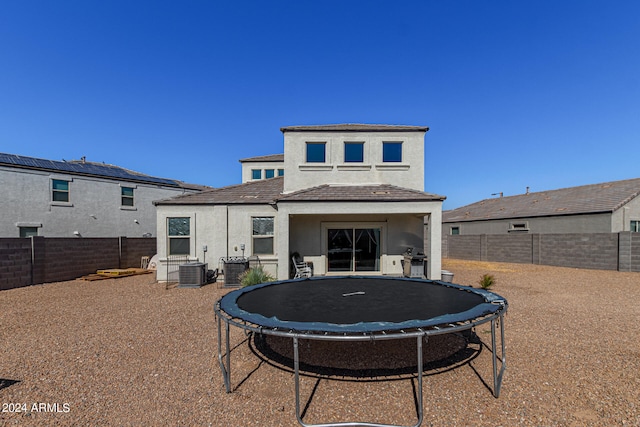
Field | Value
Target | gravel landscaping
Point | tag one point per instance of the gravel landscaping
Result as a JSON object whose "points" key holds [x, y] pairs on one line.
{"points": [[134, 352]]}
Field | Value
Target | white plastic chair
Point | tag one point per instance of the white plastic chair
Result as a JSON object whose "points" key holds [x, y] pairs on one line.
{"points": [[302, 269]]}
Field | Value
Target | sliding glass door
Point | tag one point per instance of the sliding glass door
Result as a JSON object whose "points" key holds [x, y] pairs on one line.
{"points": [[353, 249]]}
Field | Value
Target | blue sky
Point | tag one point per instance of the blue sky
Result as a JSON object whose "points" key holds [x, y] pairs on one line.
{"points": [[544, 94]]}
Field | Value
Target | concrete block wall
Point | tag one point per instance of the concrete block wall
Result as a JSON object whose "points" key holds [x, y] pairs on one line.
{"points": [[464, 247], [509, 248], [629, 250], [15, 263], [134, 248], [69, 258], [598, 251], [635, 252], [25, 262], [603, 251]]}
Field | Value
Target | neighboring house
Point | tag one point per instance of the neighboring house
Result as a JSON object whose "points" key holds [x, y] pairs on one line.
{"points": [[262, 167], [351, 202], [610, 207], [79, 198]]}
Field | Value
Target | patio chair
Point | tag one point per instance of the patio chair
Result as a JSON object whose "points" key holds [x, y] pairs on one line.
{"points": [[302, 269]]}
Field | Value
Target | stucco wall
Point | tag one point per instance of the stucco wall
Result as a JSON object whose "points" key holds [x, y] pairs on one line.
{"points": [[247, 167], [94, 208], [298, 227], [220, 228], [299, 174], [622, 217], [594, 223]]}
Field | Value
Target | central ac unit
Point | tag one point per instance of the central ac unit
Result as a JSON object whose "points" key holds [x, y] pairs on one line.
{"points": [[192, 275]]}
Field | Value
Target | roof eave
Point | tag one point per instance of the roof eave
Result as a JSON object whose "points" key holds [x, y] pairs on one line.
{"points": [[447, 221]]}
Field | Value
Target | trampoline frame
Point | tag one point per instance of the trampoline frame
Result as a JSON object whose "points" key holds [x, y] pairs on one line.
{"points": [[419, 333]]}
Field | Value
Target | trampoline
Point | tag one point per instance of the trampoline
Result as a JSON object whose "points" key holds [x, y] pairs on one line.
{"points": [[355, 308]]}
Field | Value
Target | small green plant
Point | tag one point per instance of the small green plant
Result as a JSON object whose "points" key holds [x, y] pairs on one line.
{"points": [[254, 276], [487, 281]]}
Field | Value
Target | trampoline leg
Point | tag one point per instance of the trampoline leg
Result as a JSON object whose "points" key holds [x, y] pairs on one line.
{"points": [[420, 374], [226, 370], [296, 370], [497, 377]]}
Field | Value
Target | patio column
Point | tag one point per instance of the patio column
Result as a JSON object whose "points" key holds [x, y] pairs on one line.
{"points": [[282, 244], [434, 249]]}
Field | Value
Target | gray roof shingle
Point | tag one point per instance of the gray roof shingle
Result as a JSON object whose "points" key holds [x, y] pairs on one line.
{"points": [[354, 127], [265, 191], [360, 193], [269, 191], [594, 198], [268, 158]]}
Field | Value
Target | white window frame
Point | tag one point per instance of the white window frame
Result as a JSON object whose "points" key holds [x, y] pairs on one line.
{"points": [[171, 237], [132, 206], [255, 237], [325, 226], [67, 191]]}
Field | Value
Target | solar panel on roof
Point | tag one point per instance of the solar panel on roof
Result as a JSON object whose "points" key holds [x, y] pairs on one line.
{"points": [[107, 171]]}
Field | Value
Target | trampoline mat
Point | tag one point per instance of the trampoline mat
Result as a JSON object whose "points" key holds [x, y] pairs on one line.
{"points": [[359, 300]]}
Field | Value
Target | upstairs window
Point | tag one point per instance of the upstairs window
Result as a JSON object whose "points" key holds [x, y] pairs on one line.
{"points": [[353, 152], [455, 231], [262, 235], [179, 235], [392, 152], [635, 226], [269, 173], [126, 196], [280, 172], [256, 173], [60, 190], [316, 152]]}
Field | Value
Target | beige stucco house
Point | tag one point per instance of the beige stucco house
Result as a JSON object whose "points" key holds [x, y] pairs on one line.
{"points": [[348, 198]]}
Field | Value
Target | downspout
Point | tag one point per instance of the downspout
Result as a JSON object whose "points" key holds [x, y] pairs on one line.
{"points": [[227, 233]]}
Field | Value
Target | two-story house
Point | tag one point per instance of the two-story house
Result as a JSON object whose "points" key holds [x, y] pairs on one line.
{"points": [[351, 202], [51, 198]]}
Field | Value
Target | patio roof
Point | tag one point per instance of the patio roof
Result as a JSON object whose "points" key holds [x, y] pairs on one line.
{"points": [[359, 193], [269, 191]]}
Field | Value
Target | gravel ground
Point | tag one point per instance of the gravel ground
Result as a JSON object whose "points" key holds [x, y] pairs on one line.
{"points": [[133, 352]]}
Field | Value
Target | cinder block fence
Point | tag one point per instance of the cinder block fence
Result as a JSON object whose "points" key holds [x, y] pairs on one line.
{"points": [[601, 251], [36, 260]]}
